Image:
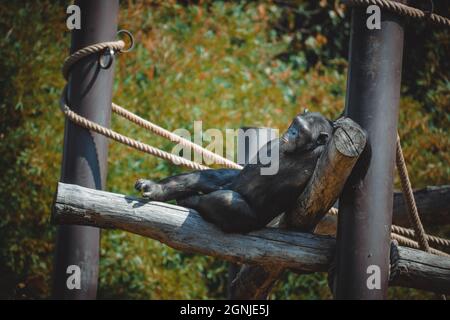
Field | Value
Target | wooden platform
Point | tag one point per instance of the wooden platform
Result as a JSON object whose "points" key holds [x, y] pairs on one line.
{"points": [[185, 230]]}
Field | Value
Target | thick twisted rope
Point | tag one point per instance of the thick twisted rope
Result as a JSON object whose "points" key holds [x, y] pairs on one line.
{"points": [[173, 137], [414, 217], [403, 10], [86, 51], [71, 115], [92, 126], [404, 241], [410, 234]]}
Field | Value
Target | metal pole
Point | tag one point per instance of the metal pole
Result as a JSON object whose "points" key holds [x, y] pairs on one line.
{"points": [[85, 153], [249, 147], [365, 207]]}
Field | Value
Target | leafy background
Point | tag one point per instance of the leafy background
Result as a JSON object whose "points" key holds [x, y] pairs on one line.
{"points": [[228, 63]]}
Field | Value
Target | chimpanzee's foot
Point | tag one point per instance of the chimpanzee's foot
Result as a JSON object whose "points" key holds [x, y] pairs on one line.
{"points": [[150, 190], [143, 185]]}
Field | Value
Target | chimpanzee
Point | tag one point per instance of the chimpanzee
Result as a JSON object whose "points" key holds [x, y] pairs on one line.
{"points": [[245, 200]]}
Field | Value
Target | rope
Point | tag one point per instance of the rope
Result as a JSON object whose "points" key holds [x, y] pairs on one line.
{"points": [[86, 51], [87, 124], [410, 234], [173, 137], [402, 10], [419, 232], [413, 244], [405, 232]]}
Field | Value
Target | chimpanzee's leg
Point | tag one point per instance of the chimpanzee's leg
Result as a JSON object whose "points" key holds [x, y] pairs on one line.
{"points": [[225, 209], [186, 184]]}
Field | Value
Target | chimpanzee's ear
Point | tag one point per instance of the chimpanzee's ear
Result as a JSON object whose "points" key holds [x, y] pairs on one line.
{"points": [[322, 138]]}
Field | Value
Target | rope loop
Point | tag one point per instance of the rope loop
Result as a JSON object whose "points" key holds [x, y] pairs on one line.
{"points": [[130, 37], [108, 54], [109, 48], [117, 46]]}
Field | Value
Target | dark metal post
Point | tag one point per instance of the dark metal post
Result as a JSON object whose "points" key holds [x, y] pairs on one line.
{"points": [[365, 207], [249, 147], [85, 153]]}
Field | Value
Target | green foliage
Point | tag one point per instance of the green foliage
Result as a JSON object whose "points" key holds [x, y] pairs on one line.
{"points": [[229, 64]]}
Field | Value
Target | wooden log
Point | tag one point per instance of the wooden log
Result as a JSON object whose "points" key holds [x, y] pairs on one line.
{"points": [[332, 170], [259, 281], [420, 270], [185, 230], [257, 284], [432, 203], [328, 224]]}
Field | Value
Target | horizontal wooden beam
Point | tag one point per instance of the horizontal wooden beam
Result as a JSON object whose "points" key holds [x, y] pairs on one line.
{"points": [[184, 229], [432, 203], [420, 270]]}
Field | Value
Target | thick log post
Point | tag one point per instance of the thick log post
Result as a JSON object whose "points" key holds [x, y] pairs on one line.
{"points": [[184, 229], [329, 177], [365, 217], [332, 170], [85, 153]]}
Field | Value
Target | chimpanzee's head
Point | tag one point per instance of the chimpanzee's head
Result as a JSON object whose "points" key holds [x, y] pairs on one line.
{"points": [[307, 131]]}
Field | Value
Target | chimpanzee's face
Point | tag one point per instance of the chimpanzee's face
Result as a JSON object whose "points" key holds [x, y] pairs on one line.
{"points": [[306, 132]]}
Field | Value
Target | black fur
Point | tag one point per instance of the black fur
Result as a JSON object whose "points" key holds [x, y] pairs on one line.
{"points": [[245, 200]]}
